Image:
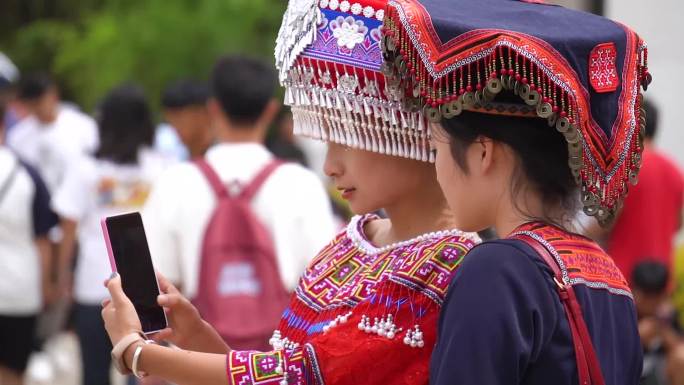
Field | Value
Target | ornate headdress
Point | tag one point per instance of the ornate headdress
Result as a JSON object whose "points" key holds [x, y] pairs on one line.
{"points": [[329, 58], [579, 71]]}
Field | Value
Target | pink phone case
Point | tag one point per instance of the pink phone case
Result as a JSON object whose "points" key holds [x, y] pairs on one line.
{"points": [[105, 232], [112, 263]]}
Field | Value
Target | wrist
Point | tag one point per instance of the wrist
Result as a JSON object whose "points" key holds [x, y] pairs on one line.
{"points": [[121, 349], [127, 358], [215, 343]]}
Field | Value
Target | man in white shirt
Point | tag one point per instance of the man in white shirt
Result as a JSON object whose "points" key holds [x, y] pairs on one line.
{"points": [[53, 134], [292, 203]]}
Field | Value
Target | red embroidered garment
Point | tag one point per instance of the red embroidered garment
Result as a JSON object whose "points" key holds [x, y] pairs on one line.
{"points": [[398, 290], [582, 261]]}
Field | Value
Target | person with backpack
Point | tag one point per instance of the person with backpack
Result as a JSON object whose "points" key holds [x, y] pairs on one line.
{"points": [[365, 308], [115, 181], [235, 228], [536, 105]]}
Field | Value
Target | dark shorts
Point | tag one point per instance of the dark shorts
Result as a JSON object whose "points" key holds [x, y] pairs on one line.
{"points": [[16, 341]]}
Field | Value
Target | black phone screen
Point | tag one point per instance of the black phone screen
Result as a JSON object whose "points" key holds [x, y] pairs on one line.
{"points": [[134, 264]]}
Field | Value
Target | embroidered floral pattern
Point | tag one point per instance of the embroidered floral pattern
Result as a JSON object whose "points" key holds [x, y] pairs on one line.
{"points": [[348, 31]]}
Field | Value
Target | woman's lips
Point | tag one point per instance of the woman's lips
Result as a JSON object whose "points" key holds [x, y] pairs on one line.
{"points": [[347, 192]]}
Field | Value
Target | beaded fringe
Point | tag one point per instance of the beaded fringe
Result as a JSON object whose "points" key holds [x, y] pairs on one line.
{"points": [[354, 110]]}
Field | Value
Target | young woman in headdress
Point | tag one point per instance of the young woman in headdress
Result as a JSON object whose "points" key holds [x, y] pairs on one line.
{"points": [[366, 308], [528, 101]]}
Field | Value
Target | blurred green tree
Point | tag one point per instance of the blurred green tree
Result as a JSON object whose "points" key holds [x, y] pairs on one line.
{"points": [[148, 42]]}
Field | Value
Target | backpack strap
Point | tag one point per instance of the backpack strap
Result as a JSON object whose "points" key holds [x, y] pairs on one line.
{"points": [[251, 189], [212, 177], [8, 181], [588, 367]]}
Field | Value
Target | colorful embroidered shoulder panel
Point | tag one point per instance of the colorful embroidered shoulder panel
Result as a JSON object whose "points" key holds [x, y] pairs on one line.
{"points": [[345, 274], [582, 261]]}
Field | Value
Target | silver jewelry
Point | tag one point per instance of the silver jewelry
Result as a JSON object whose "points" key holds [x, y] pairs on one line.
{"points": [[368, 249], [340, 319], [276, 341], [414, 338], [136, 358]]}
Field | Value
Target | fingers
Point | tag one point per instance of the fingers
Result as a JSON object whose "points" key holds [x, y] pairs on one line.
{"points": [[163, 335], [115, 290], [106, 308], [169, 300], [165, 285]]}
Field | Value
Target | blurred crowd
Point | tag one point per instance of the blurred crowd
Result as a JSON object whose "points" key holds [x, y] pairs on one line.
{"points": [[62, 170]]}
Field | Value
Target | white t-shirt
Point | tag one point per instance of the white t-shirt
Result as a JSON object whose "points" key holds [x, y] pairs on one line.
{"points": [[24, 209], [51, 147], [93, 189], [291, 203]]}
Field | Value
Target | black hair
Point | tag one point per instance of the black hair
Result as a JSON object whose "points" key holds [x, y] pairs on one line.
{"points": [[243, 87], [651, 119], [34, 86], [185, 93], [541, 152], [650, 277], [125, 124]]}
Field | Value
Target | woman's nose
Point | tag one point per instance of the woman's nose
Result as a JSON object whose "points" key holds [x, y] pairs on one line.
{"points": [[332, 166]]}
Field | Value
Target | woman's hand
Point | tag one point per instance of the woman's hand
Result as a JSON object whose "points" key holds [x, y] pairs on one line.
{"points": [[184, 319], [119, 315], [187, 329]]}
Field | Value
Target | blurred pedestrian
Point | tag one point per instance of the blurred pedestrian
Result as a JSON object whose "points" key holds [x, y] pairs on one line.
{"points": [[661, 336], [115, 180], [25, 259], [9, 74], [53, 133], [185, 109], [281, 142], [652, 212], [288, 200]]}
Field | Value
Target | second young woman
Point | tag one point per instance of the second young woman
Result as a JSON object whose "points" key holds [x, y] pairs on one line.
{"points": [[518, 125]]}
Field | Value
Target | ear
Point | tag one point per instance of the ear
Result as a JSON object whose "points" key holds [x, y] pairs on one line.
{"points": [[481, 155], [269, 113], [487, 156], [214, 108]]}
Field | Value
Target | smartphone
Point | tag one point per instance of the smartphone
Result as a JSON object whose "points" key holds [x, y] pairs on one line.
{"points": [[130, 256]]}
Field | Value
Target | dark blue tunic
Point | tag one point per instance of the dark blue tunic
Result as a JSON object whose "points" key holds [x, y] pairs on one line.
{"points": [[503, 323]]}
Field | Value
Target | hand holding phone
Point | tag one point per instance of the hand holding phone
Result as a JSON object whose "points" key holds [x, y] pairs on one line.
{"points": [[129, 255]]}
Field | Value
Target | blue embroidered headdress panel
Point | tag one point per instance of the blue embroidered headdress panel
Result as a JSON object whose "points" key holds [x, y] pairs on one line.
{"points": [[581, 72]]}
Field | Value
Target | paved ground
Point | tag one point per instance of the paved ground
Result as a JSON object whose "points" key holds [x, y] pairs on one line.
{"points": [[60, 364]]}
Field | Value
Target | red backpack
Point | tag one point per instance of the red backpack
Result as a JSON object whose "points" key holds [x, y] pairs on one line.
{"points": [[240, 290]]}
